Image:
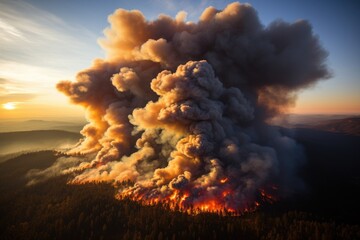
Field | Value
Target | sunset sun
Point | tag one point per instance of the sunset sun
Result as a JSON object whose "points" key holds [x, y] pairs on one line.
{"points": [[9, 106]]}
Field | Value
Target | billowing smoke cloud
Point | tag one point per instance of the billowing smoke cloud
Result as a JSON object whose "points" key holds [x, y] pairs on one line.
{"points": [[180, 108]]}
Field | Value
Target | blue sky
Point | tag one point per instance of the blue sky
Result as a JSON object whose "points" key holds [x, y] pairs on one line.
{"points": [[44, 41]]}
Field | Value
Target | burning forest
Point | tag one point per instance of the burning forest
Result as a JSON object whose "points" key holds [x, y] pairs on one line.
{"points": [[179, 109]]}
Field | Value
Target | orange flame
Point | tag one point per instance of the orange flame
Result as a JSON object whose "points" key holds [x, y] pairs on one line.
{"points": [[180, 201], [183, 201], [266, 197]]}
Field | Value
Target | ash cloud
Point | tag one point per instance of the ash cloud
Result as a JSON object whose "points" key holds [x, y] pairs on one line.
{"points": [[181, 107]]}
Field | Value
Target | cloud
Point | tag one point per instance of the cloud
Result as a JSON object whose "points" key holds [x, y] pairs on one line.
{"points": [[10, 90], [9, 32], [29, 35], [16, 97], [4, 81], [37, 49]]}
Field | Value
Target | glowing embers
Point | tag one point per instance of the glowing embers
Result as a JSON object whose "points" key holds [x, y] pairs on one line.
{"points": [[224, 180], [267, 197]]}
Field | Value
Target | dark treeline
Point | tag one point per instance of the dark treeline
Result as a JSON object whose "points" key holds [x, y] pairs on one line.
{"points": [[55, 210]]}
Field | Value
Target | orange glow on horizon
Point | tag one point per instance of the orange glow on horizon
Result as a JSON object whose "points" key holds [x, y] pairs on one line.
{"points": [[327, 107], [317, 102], [325, 110], [14, 110]]}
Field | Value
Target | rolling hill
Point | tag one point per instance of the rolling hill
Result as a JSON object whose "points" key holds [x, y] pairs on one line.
{"points": [[13, 143], [349, 126], [31, 125]]}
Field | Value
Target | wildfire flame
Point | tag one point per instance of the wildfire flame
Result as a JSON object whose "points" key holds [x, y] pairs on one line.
{"points": [[178, 201]]}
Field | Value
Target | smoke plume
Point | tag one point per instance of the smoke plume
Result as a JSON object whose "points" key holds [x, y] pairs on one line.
{"points": [[179, 108]]}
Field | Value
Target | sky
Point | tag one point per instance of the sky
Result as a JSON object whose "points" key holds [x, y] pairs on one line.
{"points": [[45, 41]]}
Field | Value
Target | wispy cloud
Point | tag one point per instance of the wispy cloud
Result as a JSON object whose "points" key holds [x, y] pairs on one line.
{"points": [[8, 32], [34, 36], [12, 91], [37, 50], [16, 97], [22, 82]]}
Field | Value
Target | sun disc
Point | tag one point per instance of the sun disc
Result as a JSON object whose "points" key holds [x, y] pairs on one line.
{"points": [[9, 106]]}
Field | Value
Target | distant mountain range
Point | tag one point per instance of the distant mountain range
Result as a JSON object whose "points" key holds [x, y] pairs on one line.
{"points": [[30, 125], [15, 143], [330, 123], [348, 126]]}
